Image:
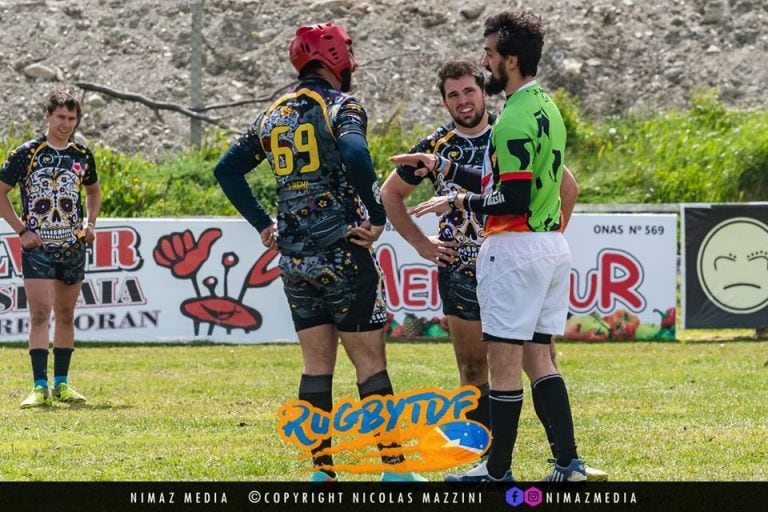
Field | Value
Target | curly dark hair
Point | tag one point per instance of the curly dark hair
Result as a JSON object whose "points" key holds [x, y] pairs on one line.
{"points": [[455, 69], [520, 34], [61, 98]]}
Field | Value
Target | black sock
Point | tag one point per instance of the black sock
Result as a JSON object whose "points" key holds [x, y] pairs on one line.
{"points": [[39, 358], [61, 360], [505, 407], [379, 384], [543, 419], [557, 410], [318, 391], [483, 413]]}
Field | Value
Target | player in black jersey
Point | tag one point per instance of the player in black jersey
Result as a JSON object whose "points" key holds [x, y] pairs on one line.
{"points": [[455, 248], [52, 171], [329, 214]]}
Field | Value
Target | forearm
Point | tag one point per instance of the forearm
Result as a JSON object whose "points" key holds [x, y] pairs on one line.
{"points": [[359, 167], [512, 198], [230, 174], [92, 203], [569, 193], [9, 213], [397, 213], [465, 176]]}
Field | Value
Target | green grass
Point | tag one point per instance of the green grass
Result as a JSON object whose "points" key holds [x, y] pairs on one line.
{"points": [[643, 411]]}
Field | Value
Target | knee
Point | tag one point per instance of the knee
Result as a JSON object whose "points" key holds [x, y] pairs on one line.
{"points": [[474, 371], [65, 316], [529, 366], [538, 365], [39, 317]]}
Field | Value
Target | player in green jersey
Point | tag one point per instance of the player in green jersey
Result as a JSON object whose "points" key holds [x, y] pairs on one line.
{"points": [[524, 263]]}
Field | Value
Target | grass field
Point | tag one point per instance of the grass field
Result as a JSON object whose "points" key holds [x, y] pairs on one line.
{"points": [[643, 411]]}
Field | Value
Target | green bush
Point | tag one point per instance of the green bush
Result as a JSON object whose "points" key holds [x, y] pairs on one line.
{"points": [[704, 153]]}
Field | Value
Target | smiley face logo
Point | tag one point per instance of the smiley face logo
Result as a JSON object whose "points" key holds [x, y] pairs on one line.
{"points": [[733, 265]]}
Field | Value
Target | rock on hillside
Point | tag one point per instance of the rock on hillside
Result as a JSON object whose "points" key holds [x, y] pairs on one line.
{"points": [[616, 55]]}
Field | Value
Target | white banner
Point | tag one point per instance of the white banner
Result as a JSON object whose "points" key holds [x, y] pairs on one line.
{"points": [[159, 280], [623, 276]]}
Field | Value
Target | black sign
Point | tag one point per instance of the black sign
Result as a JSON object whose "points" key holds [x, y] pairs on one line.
{"points": [[402, 497], [726, 266]]}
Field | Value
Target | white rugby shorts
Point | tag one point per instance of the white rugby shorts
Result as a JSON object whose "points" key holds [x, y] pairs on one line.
{"points": [[523, 284]]}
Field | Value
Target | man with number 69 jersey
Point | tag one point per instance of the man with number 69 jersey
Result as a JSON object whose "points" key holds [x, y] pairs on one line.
{"points": [[329, 214]]}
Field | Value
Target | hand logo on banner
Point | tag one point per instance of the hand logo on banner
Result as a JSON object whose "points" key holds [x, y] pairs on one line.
{"points": [[185, 256]]}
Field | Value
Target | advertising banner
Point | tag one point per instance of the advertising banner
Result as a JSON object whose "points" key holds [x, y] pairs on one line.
{"points": [[414, 308], [623, 277], [210, 279], [164, 280], [725, 255]]}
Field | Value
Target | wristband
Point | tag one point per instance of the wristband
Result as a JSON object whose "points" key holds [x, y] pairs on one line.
{"points": [[24, 231], [442, 163], [92, 225], [452, 199]]}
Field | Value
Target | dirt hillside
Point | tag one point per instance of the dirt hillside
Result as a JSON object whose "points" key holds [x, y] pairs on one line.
{"points": [[616, 55]]}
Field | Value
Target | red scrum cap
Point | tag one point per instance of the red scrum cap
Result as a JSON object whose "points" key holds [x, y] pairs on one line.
{"points": [[327, 43]]}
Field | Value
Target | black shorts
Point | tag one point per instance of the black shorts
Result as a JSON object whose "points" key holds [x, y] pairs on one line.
{"points": [[339, 285], [538, 338], [65, 264], [458, 291]]}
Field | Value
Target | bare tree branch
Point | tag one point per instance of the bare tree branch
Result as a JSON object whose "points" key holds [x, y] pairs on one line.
{"points": [[156, 106], [271, 96]]}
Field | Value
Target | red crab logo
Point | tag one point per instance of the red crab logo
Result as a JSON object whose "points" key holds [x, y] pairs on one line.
{"points": [[184, 256]]}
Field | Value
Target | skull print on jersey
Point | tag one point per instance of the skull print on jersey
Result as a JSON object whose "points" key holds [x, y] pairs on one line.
{"points": [[51, 181], [464, 227]]}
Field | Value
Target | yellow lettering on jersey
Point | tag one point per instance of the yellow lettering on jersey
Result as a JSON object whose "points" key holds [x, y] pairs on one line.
{"points": [[282, 156], [304, 141]]}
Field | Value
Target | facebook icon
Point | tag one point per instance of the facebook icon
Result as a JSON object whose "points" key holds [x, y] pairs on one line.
{"points": [[514, 496]]}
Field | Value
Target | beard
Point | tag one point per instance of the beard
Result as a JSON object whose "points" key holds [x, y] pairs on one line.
{"points": [[496, 85], [474, 121], [346, 80]]}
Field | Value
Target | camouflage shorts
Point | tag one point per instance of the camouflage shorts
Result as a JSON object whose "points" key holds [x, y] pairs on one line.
{"points": [[339, 285], [66, 264], [458, 291]]}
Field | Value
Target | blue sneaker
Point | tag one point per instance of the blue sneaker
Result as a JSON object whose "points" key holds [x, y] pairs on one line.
{"points": [[410, 476], [573, 472], [479, 473], [321, 477]]}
